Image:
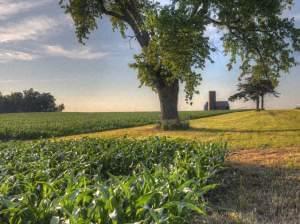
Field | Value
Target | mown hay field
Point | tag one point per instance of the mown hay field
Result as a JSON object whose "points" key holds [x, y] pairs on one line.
{"points": [[243, 130]]}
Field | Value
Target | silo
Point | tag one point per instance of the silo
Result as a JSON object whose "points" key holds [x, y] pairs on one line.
{"points": [[212, 100]]}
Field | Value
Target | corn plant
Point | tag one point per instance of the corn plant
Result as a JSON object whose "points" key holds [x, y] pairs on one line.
{"points": [[112, 181], [38, 125]]}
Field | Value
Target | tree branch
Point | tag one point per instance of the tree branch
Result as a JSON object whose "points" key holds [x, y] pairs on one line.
{"points": [[111, 13]]}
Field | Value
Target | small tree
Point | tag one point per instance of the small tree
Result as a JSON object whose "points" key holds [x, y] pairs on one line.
{"points": [[267, 87], [255, 89], [60, 108], [172, 38]]}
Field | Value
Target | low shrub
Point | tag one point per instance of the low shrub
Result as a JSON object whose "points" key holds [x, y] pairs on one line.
{"points": [[154, 180]]}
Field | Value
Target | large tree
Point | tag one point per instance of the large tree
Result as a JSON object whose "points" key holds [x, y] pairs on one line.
{"points": [[174, 47]]}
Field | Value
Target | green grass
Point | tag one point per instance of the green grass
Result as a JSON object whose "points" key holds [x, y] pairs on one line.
{"points": [[249, 129], [113, 181], [43, 125]]}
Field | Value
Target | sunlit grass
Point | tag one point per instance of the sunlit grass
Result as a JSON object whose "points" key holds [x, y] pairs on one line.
{"points": [[250, 129]]}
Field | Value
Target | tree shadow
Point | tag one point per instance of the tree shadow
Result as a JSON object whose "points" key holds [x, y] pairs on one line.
{"points": [[215, 130], [256, 194]]}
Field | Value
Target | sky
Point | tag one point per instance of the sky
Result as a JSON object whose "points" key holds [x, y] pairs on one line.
{"points": [[39, 49]]}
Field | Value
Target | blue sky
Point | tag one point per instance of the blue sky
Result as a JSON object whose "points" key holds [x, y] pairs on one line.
{"points": [[38, 48]]}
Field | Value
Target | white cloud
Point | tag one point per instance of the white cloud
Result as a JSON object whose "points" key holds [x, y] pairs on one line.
{"points": [[12, 7], [11, 55], [29, 29], [82, 53]]}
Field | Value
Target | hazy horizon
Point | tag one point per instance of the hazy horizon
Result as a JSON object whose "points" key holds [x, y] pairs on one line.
{"points": [[39, 49]]}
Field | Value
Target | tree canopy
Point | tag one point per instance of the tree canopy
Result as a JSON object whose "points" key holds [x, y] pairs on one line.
{"points": [[255, 88], [29, 101], [174, 46]]}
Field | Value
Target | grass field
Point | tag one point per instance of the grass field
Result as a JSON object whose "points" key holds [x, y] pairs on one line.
{"points": [[42, 125], [242, 130], [260, 185]]}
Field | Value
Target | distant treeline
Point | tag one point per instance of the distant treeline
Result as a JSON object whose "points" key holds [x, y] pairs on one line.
{"points": [[29, 101]]}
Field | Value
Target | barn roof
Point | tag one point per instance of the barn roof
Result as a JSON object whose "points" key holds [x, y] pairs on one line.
{"points": [[222, 104]]}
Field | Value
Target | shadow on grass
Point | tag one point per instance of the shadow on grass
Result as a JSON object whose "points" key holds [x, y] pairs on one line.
{"points": [[213, 130], [251, 194]]}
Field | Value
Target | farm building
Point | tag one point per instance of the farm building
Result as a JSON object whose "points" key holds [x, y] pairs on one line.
{"points": [[213, 104]]}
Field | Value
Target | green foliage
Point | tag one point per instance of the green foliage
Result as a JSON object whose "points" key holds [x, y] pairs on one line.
{"points": [[173, 41], [177, 51], [106, 181], [38, 125], [29, 101], [252, 88], [258, 32]]}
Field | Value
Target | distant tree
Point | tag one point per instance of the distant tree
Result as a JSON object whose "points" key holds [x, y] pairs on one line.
{"points": [[172, 38], [2, 103], [60, 108], [14, 101], [29, 101], [255, 89]]}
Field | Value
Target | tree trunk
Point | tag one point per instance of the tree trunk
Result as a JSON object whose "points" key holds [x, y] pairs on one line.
{"points": [[168, 97], [262, 102], [257, 103]]}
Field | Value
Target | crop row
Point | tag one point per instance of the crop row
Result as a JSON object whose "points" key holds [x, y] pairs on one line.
{"points": [[114, 181], [44, 125]]}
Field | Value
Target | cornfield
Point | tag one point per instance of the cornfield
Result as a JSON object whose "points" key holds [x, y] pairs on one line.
{"points": [[111, 181]]}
